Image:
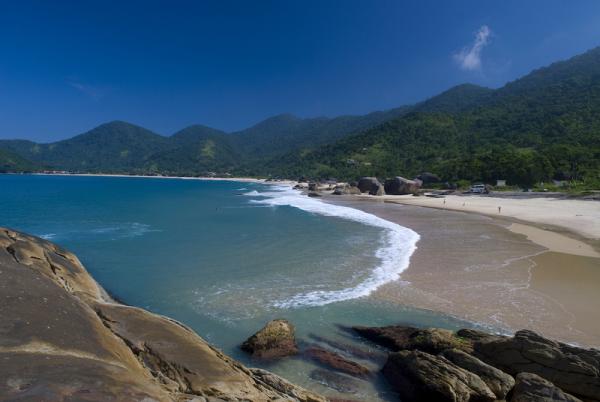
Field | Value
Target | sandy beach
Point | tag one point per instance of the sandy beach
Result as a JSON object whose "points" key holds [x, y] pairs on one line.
{"points": [[580, 217], [536, 266]]}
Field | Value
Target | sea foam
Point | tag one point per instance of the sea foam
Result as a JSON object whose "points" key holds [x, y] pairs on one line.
{"points": [[398, 244]]}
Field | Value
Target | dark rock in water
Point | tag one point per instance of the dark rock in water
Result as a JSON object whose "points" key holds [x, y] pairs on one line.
{"points": [[339, 382], [336, 362], [419, 376], [349, 349], [393, 337], [574, 370], [276, 339], [314, 194], [345, 190], [370, 185], [431, 340], [427, 178], [401, 186], [533, 388], [498, 381]]}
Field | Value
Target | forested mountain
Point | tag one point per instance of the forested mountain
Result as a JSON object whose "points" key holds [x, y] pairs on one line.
{"points": [[11, 162], [545, 125], [195, 150], [286, 132], [113, 147], [123, 147]]}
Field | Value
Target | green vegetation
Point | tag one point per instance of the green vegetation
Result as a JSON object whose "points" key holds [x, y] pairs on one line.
{"points": [[542, 127], [11, 162]]}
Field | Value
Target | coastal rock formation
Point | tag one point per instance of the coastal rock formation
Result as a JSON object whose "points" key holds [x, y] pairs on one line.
{"points": [[370, 185], [574, 370], [336, 362], [63, 338], [401, 186], [345, 189], [397, 337], [428, 359], [420, 376], [533, 388], [276, 339], [498, 381]]}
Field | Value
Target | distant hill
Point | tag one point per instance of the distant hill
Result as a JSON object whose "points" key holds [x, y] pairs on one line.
{"points": [[542, 126], [456, 99], [282, 133], [112, 147], [545, 125], [123, 147], [195, 150], [11, 162]]}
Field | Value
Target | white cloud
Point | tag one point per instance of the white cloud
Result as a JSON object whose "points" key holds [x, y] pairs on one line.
{"points": [[89, 90], [469, 58]]}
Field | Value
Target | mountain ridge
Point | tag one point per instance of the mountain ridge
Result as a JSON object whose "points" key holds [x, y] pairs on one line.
{"points": [[541, 126]]}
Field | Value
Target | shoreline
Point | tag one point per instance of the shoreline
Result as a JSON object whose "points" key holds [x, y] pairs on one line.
{"points": [[579, 217], [526, 288]]}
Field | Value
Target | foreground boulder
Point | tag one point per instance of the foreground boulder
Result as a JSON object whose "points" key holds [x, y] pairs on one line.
{"points": [[498, 381], [574, 370], [420, 376], [401, 186], [276, 339], [370, 185], [533, 388], [63, 339], [398, 337]]}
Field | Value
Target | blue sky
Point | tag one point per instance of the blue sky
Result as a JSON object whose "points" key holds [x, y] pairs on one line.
{"points": [[66, 67]]}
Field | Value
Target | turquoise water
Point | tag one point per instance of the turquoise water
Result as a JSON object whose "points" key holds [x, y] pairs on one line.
{"points": [[225, 257]]}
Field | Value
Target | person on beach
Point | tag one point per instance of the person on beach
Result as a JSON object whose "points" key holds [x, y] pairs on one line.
{"points": [[499, 209]]}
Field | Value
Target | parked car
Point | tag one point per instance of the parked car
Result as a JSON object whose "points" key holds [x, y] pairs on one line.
{"points": [[478, 189]]}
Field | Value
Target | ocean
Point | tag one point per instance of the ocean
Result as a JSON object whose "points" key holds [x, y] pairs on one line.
{"points": [[225, 257]]}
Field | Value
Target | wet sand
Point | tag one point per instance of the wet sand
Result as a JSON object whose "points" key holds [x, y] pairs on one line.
{"points": [[489, 271]]}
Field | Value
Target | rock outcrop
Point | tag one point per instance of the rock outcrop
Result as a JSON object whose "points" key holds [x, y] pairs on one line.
{"points": [[370, 185], [345, 189], [62, 338], [533, 388], [397, 337], [574, 370], [423, 365], [420, 376], [401, 186], [276, 339], [497, 381]]}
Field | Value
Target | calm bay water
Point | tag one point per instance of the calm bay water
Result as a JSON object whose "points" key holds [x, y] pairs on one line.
{"points": [[225, 257]]}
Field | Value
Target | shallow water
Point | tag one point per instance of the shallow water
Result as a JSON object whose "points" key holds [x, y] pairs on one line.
{"points": [[225, 257]]}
